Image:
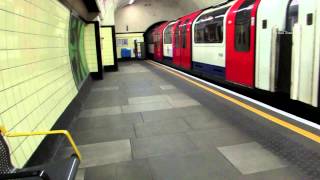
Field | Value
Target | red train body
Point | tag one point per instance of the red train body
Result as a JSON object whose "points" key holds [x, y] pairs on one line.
{"points": [[182, 41], [158, 41], [240, 44]]}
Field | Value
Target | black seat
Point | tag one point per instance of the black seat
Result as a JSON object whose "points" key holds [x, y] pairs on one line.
{"points": [[59, 170]]}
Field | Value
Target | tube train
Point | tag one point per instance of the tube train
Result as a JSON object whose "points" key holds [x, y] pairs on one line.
{"points": [[271, 45]]}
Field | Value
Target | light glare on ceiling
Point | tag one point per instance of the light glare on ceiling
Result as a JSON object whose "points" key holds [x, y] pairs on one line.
{"points": [[131, 1]]}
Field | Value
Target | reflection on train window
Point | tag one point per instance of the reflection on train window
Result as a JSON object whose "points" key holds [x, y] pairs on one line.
{"points": [[176, 35], [242, 26], [184, 34], [168, 35], [292, 16], [209, 27]]}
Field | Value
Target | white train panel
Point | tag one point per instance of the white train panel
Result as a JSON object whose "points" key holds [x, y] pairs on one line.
{"points": [[208, 41], [270, 19], [167, 50], [167, 41], [304, 53]]}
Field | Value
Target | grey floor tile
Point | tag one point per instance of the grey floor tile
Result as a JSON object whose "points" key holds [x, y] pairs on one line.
{"points": [[163, 114], [134, 170], [198, 111], [87, 113], [212, 138], [142, 91], [130, 170], [98, 135], [107, 172], [103, 153], [146, 107], [108, 121], [193, 166], [167, 87], [179, 96], [80, 174], [162, 127], [251, 158], [107, 88], [137, 84], [159, 145], [147, 99], [205, 122], [184, 103], [277, 174], [105, 99]]}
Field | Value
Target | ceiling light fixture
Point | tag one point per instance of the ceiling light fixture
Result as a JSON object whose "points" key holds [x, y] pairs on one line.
{"points": [[131, 1]]}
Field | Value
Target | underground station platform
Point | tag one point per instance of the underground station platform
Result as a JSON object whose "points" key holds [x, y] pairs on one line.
{"points": [[160, 89], [150, 122]]}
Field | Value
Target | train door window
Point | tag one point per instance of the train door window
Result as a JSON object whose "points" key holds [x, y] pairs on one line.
{"points": [[177, 36], [209, 27], [242, 26], [292, 15], [168, 35], [184, 33]]}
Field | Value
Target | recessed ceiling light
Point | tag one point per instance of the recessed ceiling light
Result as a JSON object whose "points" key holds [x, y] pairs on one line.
{"points": [[131, 1]]}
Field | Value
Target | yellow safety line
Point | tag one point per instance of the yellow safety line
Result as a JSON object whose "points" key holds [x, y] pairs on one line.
{"points": [[267, 116], [54, 132]]}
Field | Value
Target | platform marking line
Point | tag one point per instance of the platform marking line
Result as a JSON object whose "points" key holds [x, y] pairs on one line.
{"points": [[265, 115], [278, 111]]}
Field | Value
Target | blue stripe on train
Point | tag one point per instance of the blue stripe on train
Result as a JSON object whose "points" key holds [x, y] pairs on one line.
{"points": [[208, 69]]}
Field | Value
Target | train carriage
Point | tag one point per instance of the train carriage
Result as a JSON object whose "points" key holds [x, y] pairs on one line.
{"points": [[167, 43], [158, 41], [182, 41], [305, 62], [240, 49], [273, 47], [243, 43], [208, 45]]}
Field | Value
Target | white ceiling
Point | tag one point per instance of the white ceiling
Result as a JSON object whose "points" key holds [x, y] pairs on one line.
{"points": [[186, 5]]}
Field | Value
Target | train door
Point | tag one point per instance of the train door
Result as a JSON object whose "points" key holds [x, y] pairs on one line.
{"points": [[167, 43], [283, 80], [156, 44], [240, 49], [304, 74], [185, 48], [176, 45]]}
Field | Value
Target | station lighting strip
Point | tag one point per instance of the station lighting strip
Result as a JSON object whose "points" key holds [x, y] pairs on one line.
{"points": [[265, 115]]}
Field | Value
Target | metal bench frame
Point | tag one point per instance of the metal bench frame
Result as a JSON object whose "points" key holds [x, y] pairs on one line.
{"points": [[36, 173]]}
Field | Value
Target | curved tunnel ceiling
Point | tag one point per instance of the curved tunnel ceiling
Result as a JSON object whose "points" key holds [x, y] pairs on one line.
{"points": [[186, 5]]}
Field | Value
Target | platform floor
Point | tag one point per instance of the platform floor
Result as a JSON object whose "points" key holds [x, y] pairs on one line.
{"points": [[142, 123]]}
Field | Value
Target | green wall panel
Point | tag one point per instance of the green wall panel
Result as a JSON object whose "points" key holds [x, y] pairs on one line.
{"points": [[77, 51]]}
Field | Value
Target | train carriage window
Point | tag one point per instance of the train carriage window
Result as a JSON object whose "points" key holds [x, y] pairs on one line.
{"points": [[177, 36], [184, 33], [242, 26], [168, 35], [209, 27], [292, 16]]}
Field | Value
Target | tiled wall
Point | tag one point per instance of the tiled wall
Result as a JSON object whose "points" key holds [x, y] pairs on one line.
{"points": [[107, 46], [36, 82], [131, 37], [90, 47]]}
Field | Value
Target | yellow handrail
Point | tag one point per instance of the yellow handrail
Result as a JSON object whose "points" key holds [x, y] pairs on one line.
{"points": [[53, 132]]}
